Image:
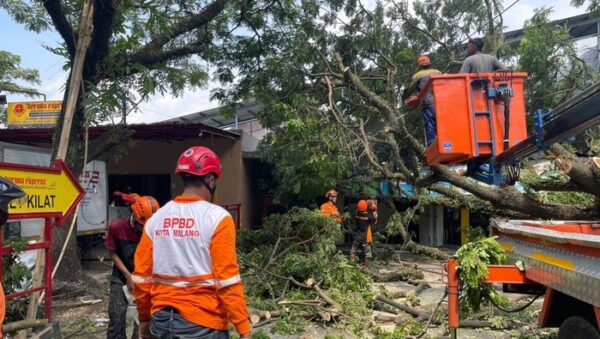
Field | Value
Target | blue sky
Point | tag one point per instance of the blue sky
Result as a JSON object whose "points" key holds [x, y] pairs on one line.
{"points": [[29, 46]]}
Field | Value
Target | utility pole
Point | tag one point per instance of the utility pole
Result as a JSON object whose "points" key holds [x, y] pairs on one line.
{"points": [[85, 28], [75, 79]]}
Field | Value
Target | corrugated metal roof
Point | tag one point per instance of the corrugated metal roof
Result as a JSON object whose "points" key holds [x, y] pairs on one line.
{"points": [[245, 111], [580, 26], [166, 131]]}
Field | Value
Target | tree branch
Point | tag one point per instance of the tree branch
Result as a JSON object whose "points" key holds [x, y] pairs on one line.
{"points": [[511, 199], [61, 24], [104, 14], [152, 59], [152, 50], [581, 173], [396, 122]]}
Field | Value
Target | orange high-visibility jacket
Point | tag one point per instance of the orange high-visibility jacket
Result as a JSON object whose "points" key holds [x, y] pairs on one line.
{"points": [[2, 308], [330, 209], [187, 260]]}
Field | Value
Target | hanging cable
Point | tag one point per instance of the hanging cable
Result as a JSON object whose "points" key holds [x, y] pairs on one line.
{"points": [[518, 309]]}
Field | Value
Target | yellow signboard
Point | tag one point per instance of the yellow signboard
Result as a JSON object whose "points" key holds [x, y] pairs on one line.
{"points": [[49, 191], [33, 114]]}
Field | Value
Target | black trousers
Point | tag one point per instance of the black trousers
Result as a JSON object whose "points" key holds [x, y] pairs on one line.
{"points": [[117, 314]]}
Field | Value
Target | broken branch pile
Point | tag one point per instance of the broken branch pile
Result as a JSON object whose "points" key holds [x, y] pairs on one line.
{"points": [[292, 269]]}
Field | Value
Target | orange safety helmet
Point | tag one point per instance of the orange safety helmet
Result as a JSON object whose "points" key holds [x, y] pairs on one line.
{"points": [[423, 60], [412, 102], [143, 208], [362, 205], [331, 193]]}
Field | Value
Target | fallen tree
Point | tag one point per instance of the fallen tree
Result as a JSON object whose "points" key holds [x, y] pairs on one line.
{"points": [[292, 269]]}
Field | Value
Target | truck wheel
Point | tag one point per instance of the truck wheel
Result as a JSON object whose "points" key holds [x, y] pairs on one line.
{"points": [[577, 327]]}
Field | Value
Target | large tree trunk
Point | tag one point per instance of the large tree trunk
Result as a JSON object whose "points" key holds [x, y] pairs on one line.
{"points": [[70, 266]]}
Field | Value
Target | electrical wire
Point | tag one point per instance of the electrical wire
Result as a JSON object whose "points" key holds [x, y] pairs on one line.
{"points": [[518, 309]]}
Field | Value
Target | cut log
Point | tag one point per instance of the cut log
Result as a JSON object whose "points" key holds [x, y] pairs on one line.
{"points": [[313, 284], [413, 282], [379, 306], [395, 295], [254, 319], [404, 274], [77, 304], [595, 166], [266, 322], [417, 314], [507, 324], [581, 171], [382, 318], [564, 163], [257, 316], [423, 285], [325, 316], [23, 324]]}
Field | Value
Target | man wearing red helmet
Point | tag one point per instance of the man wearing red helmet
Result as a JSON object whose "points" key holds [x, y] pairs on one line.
{"points": [[417, 83], [187, 280], [121, 240]]}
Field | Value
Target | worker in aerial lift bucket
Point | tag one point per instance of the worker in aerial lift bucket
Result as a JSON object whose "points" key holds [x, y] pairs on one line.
{"points": [[8, 192], [478, 62], [187, 279], [362, 236], [122, 239], [417, 83], [329, 208]]}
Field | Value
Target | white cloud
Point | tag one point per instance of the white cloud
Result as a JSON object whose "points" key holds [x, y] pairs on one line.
{"points": [[515, 17], [161, 108]]}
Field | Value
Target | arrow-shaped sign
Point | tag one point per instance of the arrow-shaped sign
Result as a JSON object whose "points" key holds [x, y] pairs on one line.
{"points": [[51, 192]]}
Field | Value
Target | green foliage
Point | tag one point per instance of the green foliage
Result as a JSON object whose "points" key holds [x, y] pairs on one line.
{"points": [[407, 330], [305, 153], [547, 55], [580, 199], [14, 271], [289, 325], [260, 334], [593, 5], [300, 244], [14, 274], [474, 257], [81, 328], [397, 333], [12, 76]]}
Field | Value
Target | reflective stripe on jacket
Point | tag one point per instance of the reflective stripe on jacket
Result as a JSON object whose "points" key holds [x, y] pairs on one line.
{"points": [[187, 260]]}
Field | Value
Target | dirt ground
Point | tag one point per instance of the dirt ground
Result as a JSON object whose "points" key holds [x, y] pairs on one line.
{"points": [[91, 321]]}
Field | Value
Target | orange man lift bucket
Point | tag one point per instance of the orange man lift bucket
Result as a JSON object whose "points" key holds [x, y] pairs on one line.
{"points": [[470, 115]]}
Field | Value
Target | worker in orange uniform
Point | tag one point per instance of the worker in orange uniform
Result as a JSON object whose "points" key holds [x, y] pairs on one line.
{"points": [[187, 280], [329, 208], [417, 83], [366, 216], [122, 239]]}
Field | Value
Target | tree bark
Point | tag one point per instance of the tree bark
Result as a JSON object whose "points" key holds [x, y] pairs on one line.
{"points": [[23, 324], [401, 275], [70, 268], [581, 171], [417, 314]]}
